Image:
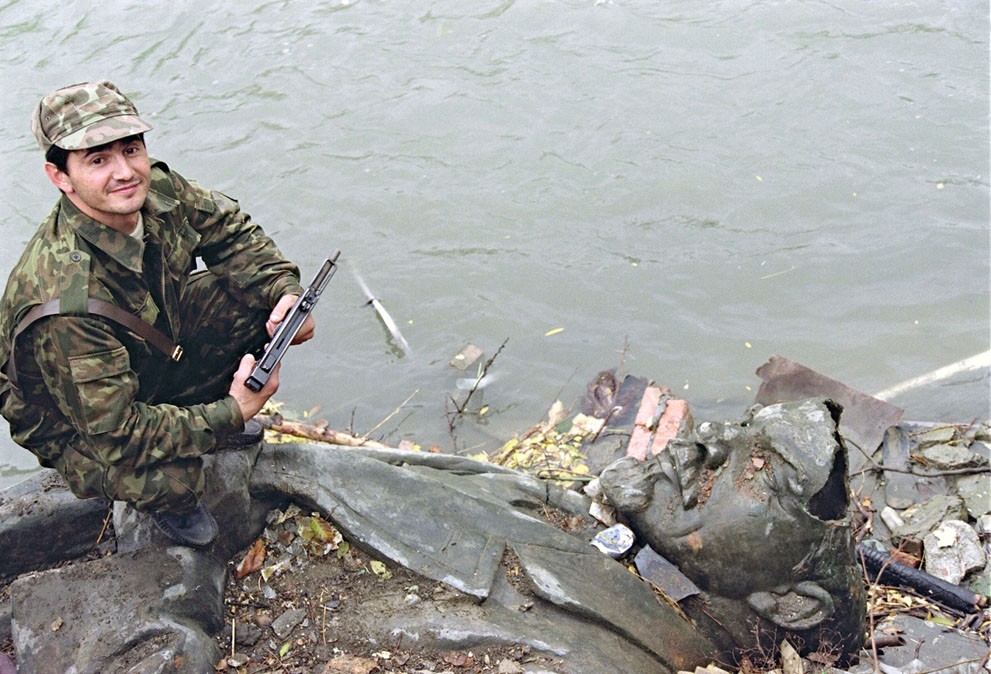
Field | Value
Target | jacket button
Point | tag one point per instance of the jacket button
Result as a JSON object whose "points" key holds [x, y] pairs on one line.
{"points": [[75, 256]]}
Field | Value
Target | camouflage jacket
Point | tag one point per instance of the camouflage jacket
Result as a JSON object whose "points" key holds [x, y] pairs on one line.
{"points": [[88, 383]]}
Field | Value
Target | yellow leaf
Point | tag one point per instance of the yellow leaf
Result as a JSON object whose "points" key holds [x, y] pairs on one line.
{"points": [[380, 569], [323, 530], [553, 332]]}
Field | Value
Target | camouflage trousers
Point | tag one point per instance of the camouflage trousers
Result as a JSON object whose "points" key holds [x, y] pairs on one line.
{"points": [[217, 330]]}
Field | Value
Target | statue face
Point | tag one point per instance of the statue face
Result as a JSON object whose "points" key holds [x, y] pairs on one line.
{"points": [[739, 509], [755, 513]]}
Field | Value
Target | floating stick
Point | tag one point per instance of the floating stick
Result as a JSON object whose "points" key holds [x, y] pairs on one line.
{"points": [[965, 365]]}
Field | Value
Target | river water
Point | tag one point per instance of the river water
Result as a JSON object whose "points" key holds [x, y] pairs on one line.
{"points": [[678, 189]]}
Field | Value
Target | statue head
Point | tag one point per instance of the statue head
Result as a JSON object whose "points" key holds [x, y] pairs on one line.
{"points": [[756, 514]]}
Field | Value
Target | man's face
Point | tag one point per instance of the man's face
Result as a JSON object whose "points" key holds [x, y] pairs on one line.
{"points": [[109, 183]]}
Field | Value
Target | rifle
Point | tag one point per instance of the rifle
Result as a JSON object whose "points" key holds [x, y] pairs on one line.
{"points": [[290, 325]]}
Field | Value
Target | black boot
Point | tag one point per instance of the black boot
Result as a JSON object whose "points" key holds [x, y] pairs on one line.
{"points": [[195, 529], [251, 435]]}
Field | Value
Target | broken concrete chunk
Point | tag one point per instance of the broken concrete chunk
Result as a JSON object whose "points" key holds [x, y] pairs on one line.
{"points": [[953, 550], [922, 518], [975, 490]]}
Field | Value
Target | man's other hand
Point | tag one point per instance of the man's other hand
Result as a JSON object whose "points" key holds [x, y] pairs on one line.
{"points": [[249, 401]]}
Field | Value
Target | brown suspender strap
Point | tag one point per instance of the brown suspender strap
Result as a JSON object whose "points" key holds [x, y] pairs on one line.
{"points": [[97, 307]]}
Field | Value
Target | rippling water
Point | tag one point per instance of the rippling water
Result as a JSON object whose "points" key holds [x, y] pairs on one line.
{"points": [[685, 188]]}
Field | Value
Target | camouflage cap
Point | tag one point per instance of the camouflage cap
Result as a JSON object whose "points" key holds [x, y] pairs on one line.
{"points": [[85, 115]]}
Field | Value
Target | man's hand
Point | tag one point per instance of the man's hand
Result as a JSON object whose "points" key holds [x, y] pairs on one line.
{"points": [[250, 402], [279, 312]]}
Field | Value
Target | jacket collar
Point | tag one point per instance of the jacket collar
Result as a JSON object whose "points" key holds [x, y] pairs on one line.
{"points": [[123, 248]]}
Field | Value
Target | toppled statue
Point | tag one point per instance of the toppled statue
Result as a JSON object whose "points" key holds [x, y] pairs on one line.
{"points": [[756, 515]]}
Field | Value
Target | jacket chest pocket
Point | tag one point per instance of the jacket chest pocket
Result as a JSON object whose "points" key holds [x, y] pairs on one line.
{"points": [[180, 250]]}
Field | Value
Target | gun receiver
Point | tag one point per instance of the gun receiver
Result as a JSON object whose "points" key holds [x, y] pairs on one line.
{"points": [[290, 325]]}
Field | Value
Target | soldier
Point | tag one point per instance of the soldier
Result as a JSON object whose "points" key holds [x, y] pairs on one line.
{"points": [[121, 364]]}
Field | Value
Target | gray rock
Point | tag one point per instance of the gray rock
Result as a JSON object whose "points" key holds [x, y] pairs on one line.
{"points": [[900, 488], [151, 607], [956, 652], [287, 622], [922, 518], [975, 490], [146, 609], [980, 582], [43, 521], [981, 448], [935, 435], [951, 457], [953, 550]]}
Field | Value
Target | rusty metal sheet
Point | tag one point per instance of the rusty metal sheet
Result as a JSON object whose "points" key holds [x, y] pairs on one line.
{"points": [[864, 419]]}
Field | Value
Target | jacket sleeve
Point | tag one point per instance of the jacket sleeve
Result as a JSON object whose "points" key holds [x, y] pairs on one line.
{"points": [[234, 247], [88, 374]]}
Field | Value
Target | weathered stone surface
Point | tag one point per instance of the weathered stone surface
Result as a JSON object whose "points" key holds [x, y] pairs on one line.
{"points": [[956, 652], [922, 518], [287, 622], [43, 520], [152, 606], [953, 550], [900, 487], [462, 527], [951, 457], [975, 490]]}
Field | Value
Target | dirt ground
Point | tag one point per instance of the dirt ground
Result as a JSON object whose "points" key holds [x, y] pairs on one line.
{"points": [[312, 604]]}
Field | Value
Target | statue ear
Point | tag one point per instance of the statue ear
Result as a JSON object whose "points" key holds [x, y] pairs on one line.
{"points": [[794, 607]]}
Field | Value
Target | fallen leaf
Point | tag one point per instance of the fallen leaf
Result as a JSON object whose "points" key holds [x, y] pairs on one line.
{"points": [[380, 569], [324, 531], [252, 561], [553, 332]]}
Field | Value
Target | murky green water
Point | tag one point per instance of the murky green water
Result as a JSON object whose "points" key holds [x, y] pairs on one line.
{"points": [[685, 188]]}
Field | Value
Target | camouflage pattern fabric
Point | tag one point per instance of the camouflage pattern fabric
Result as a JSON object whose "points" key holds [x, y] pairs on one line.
{"points": [[85, 115], [98, 403]]}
